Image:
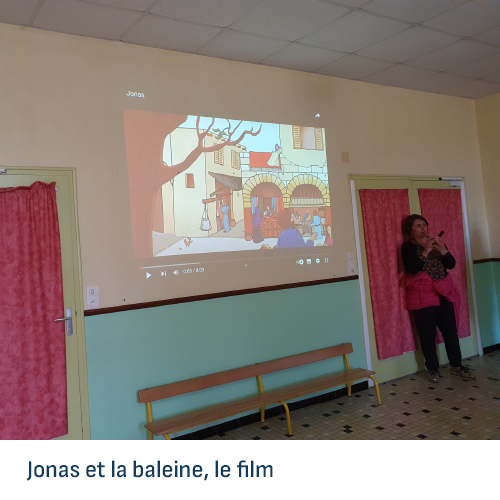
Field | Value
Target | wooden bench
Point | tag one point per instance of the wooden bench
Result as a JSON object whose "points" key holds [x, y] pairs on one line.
{"points": [[281, 395]]}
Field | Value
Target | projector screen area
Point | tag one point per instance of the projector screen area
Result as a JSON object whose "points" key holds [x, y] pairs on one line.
{"points": [[233, 204]]}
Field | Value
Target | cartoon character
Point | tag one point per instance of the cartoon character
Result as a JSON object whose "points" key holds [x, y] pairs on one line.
{"points": [[307, 220], [268, 213], [291, 237], [188, 241], [274, 161], [316, 225], [256, 222], [329, 239], [224, 208]]}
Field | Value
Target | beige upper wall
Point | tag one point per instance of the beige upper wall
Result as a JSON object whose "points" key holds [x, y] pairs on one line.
{"points": [[61, 105], [488, 125]]}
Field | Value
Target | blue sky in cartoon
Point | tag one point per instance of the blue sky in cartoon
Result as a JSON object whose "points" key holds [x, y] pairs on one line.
{"points": [[264, 142]]}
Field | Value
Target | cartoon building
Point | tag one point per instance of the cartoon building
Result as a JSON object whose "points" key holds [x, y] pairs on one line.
{"points": [[212, 181], [296, 178], [221, 190]]}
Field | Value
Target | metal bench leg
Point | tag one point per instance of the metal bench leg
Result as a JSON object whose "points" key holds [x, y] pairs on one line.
{"points": [[377, 390], [261, 390], [166, 436], [150, 418], [348, 366], [288, 420]]}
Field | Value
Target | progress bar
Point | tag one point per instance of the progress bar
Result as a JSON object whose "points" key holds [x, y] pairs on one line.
{"points": [[172, 265]]}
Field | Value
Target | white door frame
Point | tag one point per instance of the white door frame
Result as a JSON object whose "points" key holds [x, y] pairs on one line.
{"points": [[362, 278], [471, 265], [78, 313]]}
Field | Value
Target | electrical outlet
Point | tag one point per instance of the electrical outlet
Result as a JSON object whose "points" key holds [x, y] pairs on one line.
{"points": [[351, 264], [93, 297]]}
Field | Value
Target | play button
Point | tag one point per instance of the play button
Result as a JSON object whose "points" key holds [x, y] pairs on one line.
{"points": [[148, 275]]}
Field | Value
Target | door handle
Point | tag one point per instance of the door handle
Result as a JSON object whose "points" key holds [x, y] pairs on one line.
{"points": [[69, 321]]}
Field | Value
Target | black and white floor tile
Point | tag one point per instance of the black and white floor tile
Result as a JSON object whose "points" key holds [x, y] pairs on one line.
{"points": [[412, 408]]}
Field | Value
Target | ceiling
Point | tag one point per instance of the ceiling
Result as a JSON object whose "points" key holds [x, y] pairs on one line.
{"points": [[449, 47]]}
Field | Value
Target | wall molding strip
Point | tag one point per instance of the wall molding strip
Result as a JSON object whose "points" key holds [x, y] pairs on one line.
{"points": [[483, 261], [219, 295]]}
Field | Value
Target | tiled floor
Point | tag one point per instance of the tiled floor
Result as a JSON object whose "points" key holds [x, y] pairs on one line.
{"points": [[412, 408]]}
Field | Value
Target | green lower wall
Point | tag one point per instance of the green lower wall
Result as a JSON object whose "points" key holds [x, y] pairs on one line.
{"points": [[133, 350], [487, 277]]}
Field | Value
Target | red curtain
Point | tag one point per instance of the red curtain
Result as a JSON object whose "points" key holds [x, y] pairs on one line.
{"points": [[32, 346], [383, 213], [443, 210], [279, 204]]}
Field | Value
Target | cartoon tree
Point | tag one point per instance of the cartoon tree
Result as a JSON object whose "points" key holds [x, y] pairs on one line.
{"points": [[145, 134]]}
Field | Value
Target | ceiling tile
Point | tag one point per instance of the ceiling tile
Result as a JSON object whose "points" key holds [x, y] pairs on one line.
{"points": [[289, 19], [437, 83], [490, 36], [302, 57], [353, 67], [458, 54], [412, 11], [474, 89], [215, 12], [398, 75], [17, 11], [408, 44], [354, 31], [139, 5], [479, 69], [241, 46], [155, 31], [468, 19], [79, 18]]}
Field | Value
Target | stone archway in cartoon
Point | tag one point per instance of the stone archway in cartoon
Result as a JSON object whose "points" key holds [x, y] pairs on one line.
{"points": [[312, 180], [321, 208], [248, 187]]}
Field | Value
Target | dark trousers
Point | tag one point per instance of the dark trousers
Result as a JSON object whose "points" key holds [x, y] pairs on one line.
{"points": [[442, 316]]}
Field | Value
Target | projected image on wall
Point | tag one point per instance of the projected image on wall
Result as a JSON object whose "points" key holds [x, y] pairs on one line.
{"points": [[201, 184]]}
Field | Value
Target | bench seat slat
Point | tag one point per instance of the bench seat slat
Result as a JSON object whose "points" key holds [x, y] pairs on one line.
{"points": [[227, 409], [245, 372]]}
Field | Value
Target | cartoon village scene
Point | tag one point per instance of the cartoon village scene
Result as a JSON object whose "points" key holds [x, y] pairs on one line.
{"points": [[201, 185]]}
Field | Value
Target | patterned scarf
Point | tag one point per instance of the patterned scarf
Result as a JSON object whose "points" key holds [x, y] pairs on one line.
{"points": [[432, 263]]}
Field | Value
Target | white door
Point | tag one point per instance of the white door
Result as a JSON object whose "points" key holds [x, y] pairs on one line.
{"points": [[409, 362], [76, 372]]}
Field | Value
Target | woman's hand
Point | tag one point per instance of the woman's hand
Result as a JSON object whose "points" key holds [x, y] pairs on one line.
{"points": [[439, 244], [429, 246]]}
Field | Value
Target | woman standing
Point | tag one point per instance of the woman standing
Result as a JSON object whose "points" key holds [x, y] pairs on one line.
{"points": [[432, 296]]}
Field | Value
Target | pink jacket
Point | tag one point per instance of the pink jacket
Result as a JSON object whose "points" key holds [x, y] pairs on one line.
{"points": [[422, 291]]}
